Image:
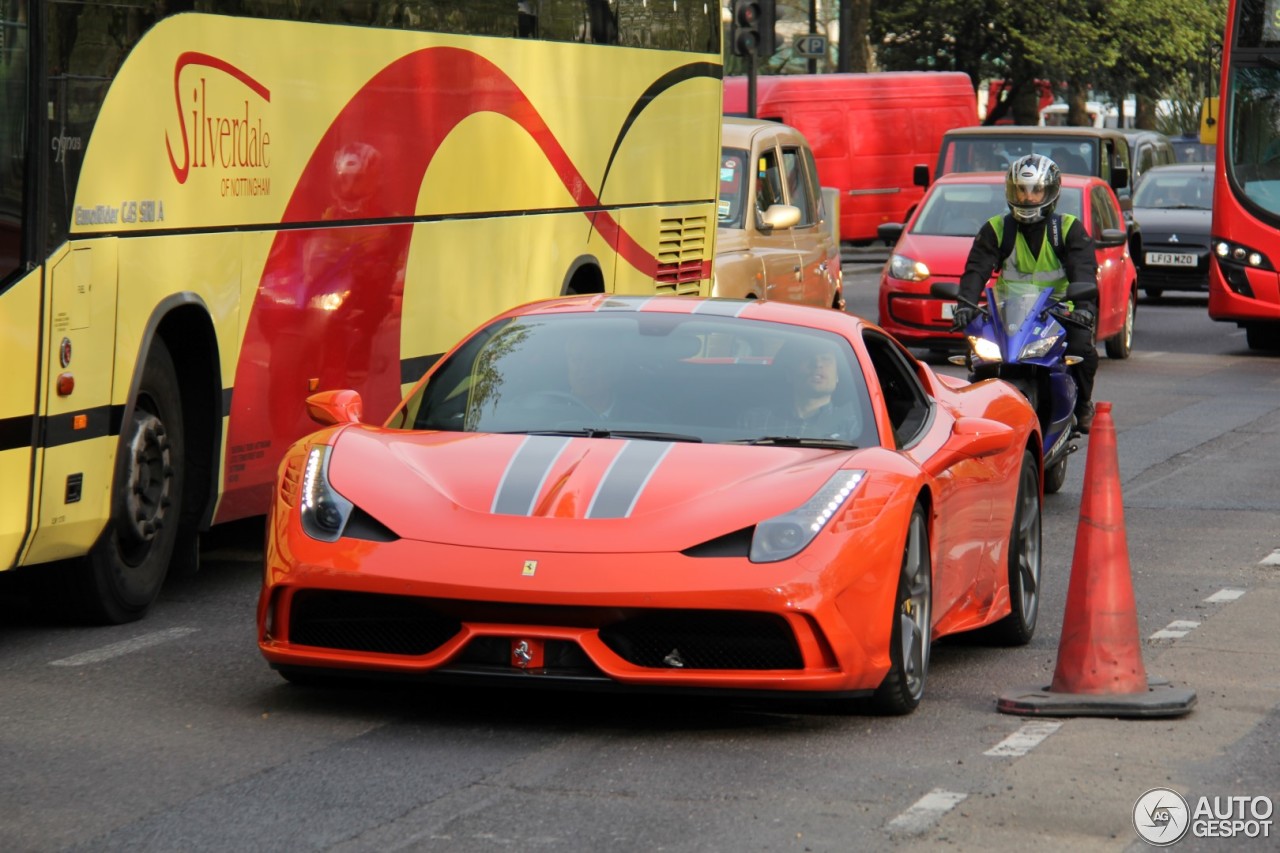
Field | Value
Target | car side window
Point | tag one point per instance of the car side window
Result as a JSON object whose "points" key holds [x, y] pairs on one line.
{"points": [[798, 187], [1104, 212], [904, 397], [1119, 156], [769, 181]]}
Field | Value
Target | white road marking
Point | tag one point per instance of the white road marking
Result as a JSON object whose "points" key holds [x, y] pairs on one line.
{"points": [[1024, 739], [1175, 629], [124, 647], [927, 811], [1272, 559], [1225, 595]]}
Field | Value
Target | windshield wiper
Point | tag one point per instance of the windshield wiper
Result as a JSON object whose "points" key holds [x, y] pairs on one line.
{"points": [[595, 432], [797, 441]]}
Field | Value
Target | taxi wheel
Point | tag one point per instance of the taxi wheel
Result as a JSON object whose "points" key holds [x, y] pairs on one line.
{"points": [[1019, 626], [911, 634], [122, 575]]}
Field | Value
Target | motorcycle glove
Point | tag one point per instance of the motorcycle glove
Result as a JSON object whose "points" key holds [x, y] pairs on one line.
{"points": [[1083, 317], [962, 317]]}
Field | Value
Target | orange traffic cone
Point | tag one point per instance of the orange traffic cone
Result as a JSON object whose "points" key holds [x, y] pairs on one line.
{"points": [[1100, 671]]}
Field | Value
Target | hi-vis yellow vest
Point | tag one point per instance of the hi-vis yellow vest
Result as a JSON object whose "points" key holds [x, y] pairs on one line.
{"points": [[1026, 273]]}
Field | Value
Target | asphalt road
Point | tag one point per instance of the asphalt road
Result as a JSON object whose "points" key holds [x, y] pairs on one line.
{"points": [[173, 734]]}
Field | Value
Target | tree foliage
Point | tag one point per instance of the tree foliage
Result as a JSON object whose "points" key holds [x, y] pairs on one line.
{"points": [[1112, 46]]}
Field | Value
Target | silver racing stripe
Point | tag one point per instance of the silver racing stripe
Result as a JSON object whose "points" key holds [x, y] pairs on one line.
{"points": [[722, 308], [624, 303], [526, 472], [625, 479]]}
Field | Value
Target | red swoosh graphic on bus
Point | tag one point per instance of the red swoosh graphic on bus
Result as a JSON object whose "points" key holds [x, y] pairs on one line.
{"points": [[195, 58], [328, 305]]}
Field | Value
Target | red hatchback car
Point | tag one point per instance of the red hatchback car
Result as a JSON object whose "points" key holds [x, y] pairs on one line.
{"points": [[934, 245]]}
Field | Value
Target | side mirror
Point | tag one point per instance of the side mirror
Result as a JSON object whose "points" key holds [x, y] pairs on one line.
{"points": [[920, 175], [330, 408], [1119, 178], [971, 438], [1112, 237], [780, 216], [889, 232]]}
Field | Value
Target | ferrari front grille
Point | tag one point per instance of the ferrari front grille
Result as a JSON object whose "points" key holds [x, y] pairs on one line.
{"points": [[704, 639], [367, 622]]}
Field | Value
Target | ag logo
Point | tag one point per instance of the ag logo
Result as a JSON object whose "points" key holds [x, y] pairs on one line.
{"points": [[1161, 817]]}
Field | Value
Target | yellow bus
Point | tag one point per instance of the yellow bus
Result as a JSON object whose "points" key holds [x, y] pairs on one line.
{"points": [[210, 209]]}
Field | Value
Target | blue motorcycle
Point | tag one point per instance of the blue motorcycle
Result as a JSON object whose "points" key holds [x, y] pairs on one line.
{"points": [[1023, 341]]}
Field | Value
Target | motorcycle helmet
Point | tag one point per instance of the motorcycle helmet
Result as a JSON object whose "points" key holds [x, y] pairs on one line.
{"points": [[1031, 187]]}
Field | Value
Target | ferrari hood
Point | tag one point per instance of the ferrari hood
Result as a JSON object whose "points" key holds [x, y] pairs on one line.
{"points": [[567, 493]]}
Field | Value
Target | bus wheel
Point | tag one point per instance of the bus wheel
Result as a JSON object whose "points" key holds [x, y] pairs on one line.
{"points": [[123, 572]]}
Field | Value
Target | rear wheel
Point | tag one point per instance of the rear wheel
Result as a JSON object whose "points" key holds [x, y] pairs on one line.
{"points": [[1120, 345], [122, 575], [1019, 626], [911, 634], [1054, 477]]}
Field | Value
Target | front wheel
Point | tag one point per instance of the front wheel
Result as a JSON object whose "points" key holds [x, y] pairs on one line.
{"points": [[911, 634], [122, 574], [1120, 345]]}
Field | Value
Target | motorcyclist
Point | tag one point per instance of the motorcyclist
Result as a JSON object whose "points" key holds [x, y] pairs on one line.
{"points": [[1045, 251]]}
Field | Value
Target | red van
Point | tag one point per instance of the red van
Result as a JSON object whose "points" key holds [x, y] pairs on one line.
{"points": [[868, 132]]}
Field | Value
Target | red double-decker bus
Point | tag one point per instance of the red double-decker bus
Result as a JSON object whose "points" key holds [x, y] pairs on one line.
{"points": [[1244, 287]]}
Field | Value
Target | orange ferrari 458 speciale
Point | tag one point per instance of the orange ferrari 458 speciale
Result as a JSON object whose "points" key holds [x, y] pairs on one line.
{"points": [[665, 493]]}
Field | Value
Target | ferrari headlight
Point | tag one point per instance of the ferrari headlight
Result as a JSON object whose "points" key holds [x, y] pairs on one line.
{"points": [[907, 269], [1040, 348], [984, 349], [324, 511], [788, 534]]}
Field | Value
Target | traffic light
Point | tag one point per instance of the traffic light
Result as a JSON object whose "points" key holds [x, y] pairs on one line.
{"points": [[751, 30], [767, 44]]}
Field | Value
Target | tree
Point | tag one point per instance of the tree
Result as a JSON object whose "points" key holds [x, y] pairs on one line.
{"points": [[1116, 46]]}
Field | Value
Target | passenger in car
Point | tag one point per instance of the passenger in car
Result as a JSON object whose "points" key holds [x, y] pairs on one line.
{"points": [[806, 406]]}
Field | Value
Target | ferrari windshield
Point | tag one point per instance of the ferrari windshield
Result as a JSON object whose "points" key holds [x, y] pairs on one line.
{"points": [[650, 375]]}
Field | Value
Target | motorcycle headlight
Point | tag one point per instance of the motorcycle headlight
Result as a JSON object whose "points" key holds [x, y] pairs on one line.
{"points": [[1040, 348], [324, 511], [984, 349], [788, 534], [907, 269]]}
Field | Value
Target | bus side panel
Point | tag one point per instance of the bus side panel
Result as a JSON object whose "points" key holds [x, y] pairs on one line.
{"points": [[19, 354], [78, 447]]}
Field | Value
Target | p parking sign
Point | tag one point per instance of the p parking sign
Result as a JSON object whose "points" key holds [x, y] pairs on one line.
{"points": [[813, 46]]}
